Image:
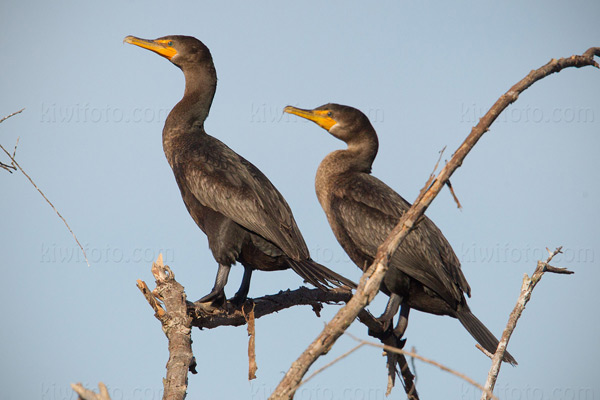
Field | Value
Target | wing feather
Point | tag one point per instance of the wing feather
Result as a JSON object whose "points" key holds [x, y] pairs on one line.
{"points": [[224, 181], [368, 209]]}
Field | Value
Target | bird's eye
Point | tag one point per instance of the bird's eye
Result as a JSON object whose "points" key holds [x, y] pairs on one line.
{"points": [[170, 43], [329, 114]]}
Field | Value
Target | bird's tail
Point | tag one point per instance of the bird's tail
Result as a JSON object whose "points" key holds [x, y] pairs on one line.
{"points": [[319, 275], [484, 337]]}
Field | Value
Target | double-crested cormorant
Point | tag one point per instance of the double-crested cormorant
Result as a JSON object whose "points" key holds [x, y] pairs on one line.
{"points": [[424, 273], [243, 215]]}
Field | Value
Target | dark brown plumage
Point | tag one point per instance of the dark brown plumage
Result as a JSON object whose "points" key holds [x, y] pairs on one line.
{"points": [[424, 273], [243, 215]]}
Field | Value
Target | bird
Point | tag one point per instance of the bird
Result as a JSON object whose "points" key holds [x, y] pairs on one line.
{"points": [[424, 273], [245, 218]]}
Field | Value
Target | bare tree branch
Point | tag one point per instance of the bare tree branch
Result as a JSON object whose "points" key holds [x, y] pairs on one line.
{"points": [[7, 167], [526, 291], [421, 358], [10, 168], [10, 115], [388, 338], [176, 324], [249, 317], [453, 194], [323, 368], [371, 279], [16, 165], [86, 394], [205, 317]]}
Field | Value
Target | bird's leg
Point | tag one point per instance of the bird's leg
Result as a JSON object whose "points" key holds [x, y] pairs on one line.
{"points": [[402, 321], [390, 310], [217, 294], [242, 293]]}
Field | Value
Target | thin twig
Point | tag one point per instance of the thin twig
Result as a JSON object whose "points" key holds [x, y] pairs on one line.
{"points": [[373, 276], [526, 291], [7, 167], [421, 358], [376, 329], [16, 164], [10, 115], [484, 351], [48, 201], [15, 149], [453, 194], [412, 362], [441, 152], [323, 368]]}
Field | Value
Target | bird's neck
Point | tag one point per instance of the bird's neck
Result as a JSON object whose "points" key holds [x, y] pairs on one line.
{"points": [[192, 110], [340, 165]]}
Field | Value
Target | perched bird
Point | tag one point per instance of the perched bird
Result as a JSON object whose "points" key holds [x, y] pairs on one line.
{"points": [[243, 215], [424, 273]]}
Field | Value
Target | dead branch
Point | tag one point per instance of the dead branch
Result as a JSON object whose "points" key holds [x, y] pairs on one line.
{"points": [[10, 168], [86, 394], [204, 316], [177, 326], [526, 291], [10, 115], [387, 338], [208, 317], [17, 166], [7, 167], [421, 358], [371, 279], [252, 367]]}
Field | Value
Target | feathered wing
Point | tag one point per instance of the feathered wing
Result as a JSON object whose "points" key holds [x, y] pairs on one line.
{"points": [[221, 179], [368, 210]]}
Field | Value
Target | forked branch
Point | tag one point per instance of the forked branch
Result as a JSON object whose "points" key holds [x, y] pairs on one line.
{"points": [[526, 290], [371, 279], [177, 326], [15, 165]]}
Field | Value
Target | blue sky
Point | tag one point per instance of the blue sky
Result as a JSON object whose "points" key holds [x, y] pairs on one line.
{"points": [[424, 72]]}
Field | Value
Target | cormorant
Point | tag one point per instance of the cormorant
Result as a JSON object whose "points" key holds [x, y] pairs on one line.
{"points": [[243, 215], [424, 273]]}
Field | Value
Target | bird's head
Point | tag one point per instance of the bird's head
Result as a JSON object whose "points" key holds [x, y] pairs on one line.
{"points": [[343, 122], [182, 51]]}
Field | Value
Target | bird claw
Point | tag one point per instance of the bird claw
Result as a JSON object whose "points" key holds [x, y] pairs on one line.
{"points": [[237, 301], [384, 331], [386, 323], [216, 298]]}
